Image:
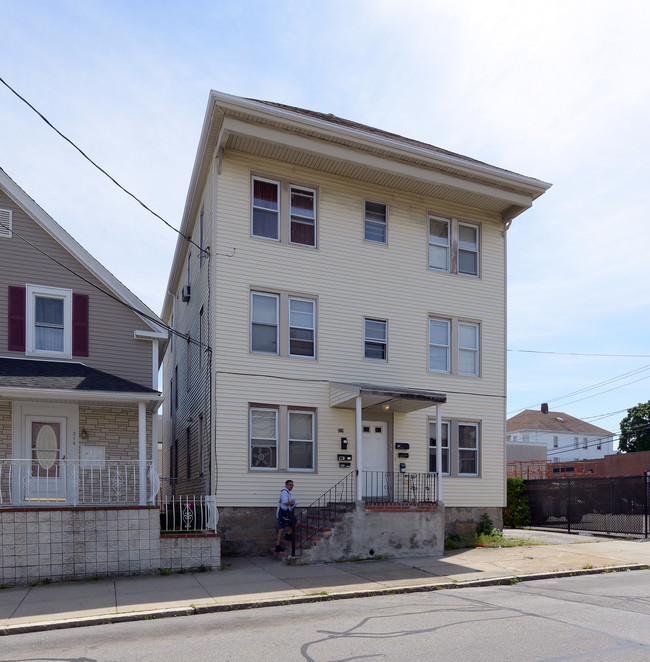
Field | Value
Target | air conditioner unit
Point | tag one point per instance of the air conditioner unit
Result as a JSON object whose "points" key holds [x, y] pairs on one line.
{"points": [[186, 293]]}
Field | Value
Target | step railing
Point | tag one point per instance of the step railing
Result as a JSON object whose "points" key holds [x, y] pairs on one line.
{"points": [[329, 507], [398, 487]]}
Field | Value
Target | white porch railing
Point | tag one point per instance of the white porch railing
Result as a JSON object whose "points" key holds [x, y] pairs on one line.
{"points": [[182, 514], [75, 482]]}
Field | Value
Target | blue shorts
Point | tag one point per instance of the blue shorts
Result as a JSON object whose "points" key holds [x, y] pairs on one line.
{"points": [[284, 519]]}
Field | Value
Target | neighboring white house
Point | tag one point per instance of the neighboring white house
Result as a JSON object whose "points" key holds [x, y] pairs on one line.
{"points": [[339, 307], [561, 437]]}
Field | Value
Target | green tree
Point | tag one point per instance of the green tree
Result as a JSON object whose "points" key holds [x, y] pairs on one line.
{"points": [[635, 429]]}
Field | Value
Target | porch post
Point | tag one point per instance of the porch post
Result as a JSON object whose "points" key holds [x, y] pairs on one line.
{"points": [[142, 451], [358, 434], [438, 455]]}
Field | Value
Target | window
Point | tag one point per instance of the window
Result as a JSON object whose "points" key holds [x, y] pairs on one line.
{"points": [[294, 314], [264, 323], [5, 223], [576, 442], [556, 442], [188, 365], [444, 447], [188, 452], [201, 442], [465, 336], [467, 249], [175, 387], [526, 437], [375, 338], [282, 438], [266, 209], [49, 321], [375, 222], [585, 443], [303, 216], [467, 449], [459, 447], [189, 268], [301, 327], [439, 345], [453, 246], [263, 438], [467, 349], [301, 440], [284, 212], [598, 445]]}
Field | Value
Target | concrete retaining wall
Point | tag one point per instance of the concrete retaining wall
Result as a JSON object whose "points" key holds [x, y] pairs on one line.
{"points": [[60, 544]]}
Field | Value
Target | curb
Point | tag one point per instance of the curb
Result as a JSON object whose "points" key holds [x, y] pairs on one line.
{"points": [[153, 614]]}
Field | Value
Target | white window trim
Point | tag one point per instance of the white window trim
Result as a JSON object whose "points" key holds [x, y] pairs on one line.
{"points": [[303, 220], [378, 341], [277, 212], [373, 221], [447, 346], [311, 328], [313, 440], [476, 350], [476, 450], [452, 245], [277, 322], [432, 421], [276, 411], [32, 291]]}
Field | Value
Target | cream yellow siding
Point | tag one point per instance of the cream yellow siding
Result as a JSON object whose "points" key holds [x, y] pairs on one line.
{"points": [[349, 279]]}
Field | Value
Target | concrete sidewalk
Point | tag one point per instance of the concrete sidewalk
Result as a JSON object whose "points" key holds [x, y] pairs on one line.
{"points": [[259, 582]]}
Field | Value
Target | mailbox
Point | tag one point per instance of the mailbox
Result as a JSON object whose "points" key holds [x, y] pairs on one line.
{"points": [[344, 458], [402, 447]]}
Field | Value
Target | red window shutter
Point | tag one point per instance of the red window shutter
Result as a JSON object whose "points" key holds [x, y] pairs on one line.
{"points": [[80, 325], [17, 310]]}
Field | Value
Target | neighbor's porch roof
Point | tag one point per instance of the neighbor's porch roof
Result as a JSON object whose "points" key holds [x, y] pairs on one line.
{"points": [[385, 398]]}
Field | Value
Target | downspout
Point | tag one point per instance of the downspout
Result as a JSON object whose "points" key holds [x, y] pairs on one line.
{"points": [[142, 451]]}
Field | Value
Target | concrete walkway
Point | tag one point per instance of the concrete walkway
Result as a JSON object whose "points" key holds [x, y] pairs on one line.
{"points": [[260, 582]]}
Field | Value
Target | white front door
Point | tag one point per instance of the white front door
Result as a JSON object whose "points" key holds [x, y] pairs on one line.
{"points": [[45, 441], [375, 458]]}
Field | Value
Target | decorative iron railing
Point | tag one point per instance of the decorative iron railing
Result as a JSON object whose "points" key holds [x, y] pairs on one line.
{"points": [[77, 482], [323, 512], [188, 514], [398, 487]]}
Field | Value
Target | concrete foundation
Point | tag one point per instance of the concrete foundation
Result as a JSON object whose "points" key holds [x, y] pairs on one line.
{"points": [[464, 521]]}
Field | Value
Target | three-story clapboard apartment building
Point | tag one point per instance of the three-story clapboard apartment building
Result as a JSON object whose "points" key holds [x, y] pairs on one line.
{"points": [[340, 315]]}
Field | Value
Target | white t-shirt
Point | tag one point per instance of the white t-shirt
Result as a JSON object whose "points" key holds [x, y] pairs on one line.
{"points": [[283, 501]]}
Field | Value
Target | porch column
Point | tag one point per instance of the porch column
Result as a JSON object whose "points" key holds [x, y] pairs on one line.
{"points": [[438, 455], [358, 433], [142, 451]]}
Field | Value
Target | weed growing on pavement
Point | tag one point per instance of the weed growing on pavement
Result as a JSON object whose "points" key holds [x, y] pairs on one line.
{"points": [[514, 580], [4, 586], [494, 538], [165, 571], [318, 593], [224, 566], [587, 566], [47, 580]]}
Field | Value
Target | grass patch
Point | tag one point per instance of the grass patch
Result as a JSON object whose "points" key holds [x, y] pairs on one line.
{"points": [[493, 539]]}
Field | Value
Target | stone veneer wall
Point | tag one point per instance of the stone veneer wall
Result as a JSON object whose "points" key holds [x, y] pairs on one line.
{"points": [[62, 544], [5, 429], [116, 428]]}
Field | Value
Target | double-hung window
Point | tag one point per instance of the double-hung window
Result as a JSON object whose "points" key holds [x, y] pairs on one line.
{"points": [[375, 222], [556, 441], [439, 345], [263, 438], [375, 339], [467, 249], [266, 209], [303, 216], [283, 324], [468, 349], [282, 437], [264, 323], [467, 449], [301, 327], [301, 440], [444, 447], [49, 321], [453, 246]]}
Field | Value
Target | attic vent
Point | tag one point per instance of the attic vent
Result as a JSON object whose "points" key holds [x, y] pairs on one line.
{"points": [[5, 223], [558, 418]]}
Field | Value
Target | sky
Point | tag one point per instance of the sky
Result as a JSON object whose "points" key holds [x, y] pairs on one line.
{"points": [[556, 90]]}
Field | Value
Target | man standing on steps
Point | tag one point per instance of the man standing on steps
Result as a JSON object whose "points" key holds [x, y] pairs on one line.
{"points": [[284, 513]]}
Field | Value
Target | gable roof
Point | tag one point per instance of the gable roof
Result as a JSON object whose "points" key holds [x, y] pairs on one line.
{"points": [[552, 421], [48, 224]]}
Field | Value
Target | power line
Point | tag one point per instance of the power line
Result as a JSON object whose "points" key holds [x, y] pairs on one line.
{"points": [[169, 225], [539, 351]]}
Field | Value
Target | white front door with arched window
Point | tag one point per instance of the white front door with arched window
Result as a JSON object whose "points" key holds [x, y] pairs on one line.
{"points": [[46, 446]]}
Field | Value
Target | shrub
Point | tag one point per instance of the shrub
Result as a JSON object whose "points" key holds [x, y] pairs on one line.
{"points": [[517, 513]]}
